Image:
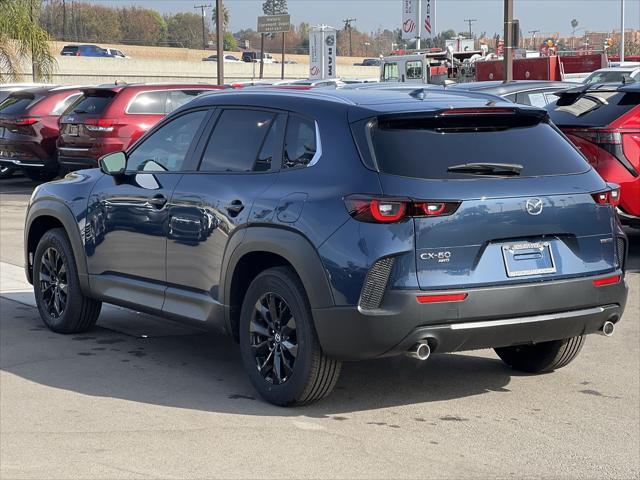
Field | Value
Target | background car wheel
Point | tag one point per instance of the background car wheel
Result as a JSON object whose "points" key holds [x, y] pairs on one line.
{"points": [[40, 175], [6, 171], [279, 345], [62, 306], [542, 357]]}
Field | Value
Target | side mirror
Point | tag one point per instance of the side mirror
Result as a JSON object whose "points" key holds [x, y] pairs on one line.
{"points": [[113, 164]]}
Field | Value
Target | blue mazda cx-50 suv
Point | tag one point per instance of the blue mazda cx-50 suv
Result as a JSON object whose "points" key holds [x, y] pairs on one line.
{"points": [[327, 226]]}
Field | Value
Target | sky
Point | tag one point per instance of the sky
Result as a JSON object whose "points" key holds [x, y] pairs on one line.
{"points": [[548, 16]]}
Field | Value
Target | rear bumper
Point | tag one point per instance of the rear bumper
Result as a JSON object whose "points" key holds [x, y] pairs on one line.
{"points": [[77, 163], [21, 154], [488, 318], [630, 220]]}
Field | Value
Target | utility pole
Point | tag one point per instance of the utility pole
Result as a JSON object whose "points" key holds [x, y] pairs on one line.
{"points": [[470, 21], [347, 26], [621, 31], [220, 40], [533, 38], [204, 26], [64, 20], [508, 40]]}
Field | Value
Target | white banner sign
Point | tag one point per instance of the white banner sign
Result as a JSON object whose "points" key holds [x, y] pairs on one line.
{"points": [[315, 54], [428, 18], [330, 47], [409, 19]]}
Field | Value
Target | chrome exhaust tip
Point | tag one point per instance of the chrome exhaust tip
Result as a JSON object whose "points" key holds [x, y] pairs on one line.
{"points": [[420, 351], [608, 328]]}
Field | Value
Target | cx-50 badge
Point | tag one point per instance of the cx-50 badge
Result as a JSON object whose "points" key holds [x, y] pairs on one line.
{"points": [[440, 257], [534, 206]]}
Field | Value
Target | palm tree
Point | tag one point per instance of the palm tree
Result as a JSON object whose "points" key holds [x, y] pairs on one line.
{"points": [[225, 17], [23, 40]]}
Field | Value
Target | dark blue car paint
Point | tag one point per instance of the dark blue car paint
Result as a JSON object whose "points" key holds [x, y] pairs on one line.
{"points": [[179, 260]]}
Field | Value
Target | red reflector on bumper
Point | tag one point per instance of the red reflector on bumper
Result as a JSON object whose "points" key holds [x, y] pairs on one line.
{"points": [[601, 282], [452, 297]]}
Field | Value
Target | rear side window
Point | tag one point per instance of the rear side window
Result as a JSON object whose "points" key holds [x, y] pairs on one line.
{"points": [[414, 70], [178, 98], [17, 104], [300, 142], [150, 103], [414, 148], [92, 104], [592, 109], [227, 151]]}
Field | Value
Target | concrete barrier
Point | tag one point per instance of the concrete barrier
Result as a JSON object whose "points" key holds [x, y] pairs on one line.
{"points": [[88, 70]]}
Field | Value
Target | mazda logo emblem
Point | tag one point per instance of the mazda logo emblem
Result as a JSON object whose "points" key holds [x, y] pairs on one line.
{"points": [[534, 206]]}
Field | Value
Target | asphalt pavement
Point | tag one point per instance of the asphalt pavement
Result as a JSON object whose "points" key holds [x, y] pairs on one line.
{"points": [[142, 397]]}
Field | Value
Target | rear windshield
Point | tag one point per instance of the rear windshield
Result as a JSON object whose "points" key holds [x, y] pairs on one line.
{"points": [[414, 148], [18, 104], [71, 49], [592, 109], [92, 103]]}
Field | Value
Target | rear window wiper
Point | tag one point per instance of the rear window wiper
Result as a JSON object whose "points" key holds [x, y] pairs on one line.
{"points": [[507, 169], [80, 111]]}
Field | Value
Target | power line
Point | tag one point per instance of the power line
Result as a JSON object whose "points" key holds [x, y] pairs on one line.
{"points": [[470, 21], [204, 37]]}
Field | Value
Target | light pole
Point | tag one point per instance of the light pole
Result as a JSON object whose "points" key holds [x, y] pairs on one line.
{"points": [[508, 40], [621, 31], [220, 40], [366, 49], [204, 27]]}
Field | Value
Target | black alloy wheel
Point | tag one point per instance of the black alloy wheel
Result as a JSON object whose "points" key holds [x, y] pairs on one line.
{"points": [[274, 342], [54, 283]]}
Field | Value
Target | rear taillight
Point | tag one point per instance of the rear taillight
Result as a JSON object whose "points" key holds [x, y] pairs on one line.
{"points": [[100, 124], [23, 122], [608, 197], [598, 136], [392, 210]]}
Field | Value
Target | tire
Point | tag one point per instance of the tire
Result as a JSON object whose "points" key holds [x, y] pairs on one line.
{"points": [[40, 175], [54, 269], [305, 377], [542, 357], [6, 171]]}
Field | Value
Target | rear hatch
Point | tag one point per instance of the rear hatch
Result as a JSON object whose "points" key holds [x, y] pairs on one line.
{"points": [[503, 197], [17, 124], [85, 124]]}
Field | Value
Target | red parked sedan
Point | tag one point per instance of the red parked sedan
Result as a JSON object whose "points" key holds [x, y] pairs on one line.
{"points": [[110, 118], [603, 121], [29, 129]]}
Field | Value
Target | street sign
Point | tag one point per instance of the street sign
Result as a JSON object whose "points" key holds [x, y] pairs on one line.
{"points": [[274, 23]]}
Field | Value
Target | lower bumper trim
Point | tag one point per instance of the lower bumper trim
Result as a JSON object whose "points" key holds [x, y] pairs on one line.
{"points": [[516, 321]]}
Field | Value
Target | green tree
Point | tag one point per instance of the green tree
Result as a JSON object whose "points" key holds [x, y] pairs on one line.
{"points": [[230, 43], [185, 30], [23, 40], [141, 26], [274, 7]]}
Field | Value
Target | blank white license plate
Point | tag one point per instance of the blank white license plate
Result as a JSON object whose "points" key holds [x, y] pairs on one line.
{"points": [[73, 130]]}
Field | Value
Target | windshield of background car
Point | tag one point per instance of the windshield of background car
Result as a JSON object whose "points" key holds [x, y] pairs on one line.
{"points": [[425, 148], [607, 77], [595, 108]]}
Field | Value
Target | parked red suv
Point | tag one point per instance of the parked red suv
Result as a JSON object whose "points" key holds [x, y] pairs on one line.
{"points": [[110, 118], [603, 121], [29, 129]]}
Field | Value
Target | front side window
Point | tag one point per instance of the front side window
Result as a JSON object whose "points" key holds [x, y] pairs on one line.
{"points": [[414, 70], [150, 103], [237, 142], [166, 149], [390, 71], [300, 142]]}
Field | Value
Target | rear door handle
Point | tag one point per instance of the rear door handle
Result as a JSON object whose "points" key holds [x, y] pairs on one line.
{"points": [[234, 208], [158, 201]]}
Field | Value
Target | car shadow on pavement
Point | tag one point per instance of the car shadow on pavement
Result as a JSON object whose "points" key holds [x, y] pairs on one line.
{"points": [[203, 371]]}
